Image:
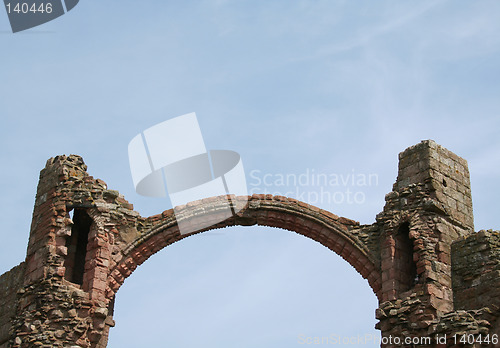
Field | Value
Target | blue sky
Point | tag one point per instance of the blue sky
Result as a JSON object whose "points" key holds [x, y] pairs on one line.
{"points": [[333, 87]]}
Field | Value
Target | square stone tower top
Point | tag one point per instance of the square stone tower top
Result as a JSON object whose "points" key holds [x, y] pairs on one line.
{"points": [[444, 174]]}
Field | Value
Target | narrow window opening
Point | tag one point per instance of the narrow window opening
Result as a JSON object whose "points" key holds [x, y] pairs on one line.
{"points": [[405, 266], [77, 246]]}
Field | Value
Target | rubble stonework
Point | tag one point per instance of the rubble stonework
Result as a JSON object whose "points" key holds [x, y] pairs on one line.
{"points": [[434, 277]]}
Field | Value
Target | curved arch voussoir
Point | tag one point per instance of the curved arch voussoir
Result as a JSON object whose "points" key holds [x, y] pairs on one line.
{"points": [[265, 210]]}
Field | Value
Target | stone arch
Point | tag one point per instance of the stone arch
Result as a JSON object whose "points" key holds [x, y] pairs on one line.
{"points": [[336, 233], [450, 275]]}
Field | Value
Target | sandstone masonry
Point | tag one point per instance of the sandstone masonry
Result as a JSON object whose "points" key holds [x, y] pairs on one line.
{"points": [[433, 275]]}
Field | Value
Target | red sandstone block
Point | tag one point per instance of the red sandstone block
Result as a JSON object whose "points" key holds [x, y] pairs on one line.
{"points": [[366, 273], [157, 238], [60, 271], [88, 179], [102, 242], [151, 245], [156, 247], [143, 248], [418, 244], [300, 222], [354, 262], [101, 183], [389, 284], [289, 222], [346, 221], [62, 250], [174, 231], [441, 305], [110, 293], [447, 295], [92, 253], [101, 273], [303, 204], [421, 267], [163, 237], [310, 224], [394, 273], [141, 257], [104, 253], [155, 217], [87, 278], [327, 233], [348, 249], [60, 206], [387, 252], [389, 295], [168, 213], [315, 229], [376, 276], [363, 273], [329, 214], [39, 273], [369, 265], [416, 257], [341, 242], [98, 295], [431, 289], [375, 286], [98, 284], [444, 257], [274, 215], [123, 269], [135, 254], [358, 259], [331, 243], [45, 208], [118, 276], [314, 208], [113, 284]]}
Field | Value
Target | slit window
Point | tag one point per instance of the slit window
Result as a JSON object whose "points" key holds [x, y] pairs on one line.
{"points": [[76, 244], [404, 265]]}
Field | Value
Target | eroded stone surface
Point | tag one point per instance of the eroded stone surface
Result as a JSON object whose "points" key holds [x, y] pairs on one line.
{"points": [[432, 274]]}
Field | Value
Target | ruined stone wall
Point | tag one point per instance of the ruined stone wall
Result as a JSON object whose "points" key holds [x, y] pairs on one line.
{"points": [[10, 283], [430, 196], [76, 263], [431, 201], [446, 178], [476, 271], [53, 311], [432, 274]]}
